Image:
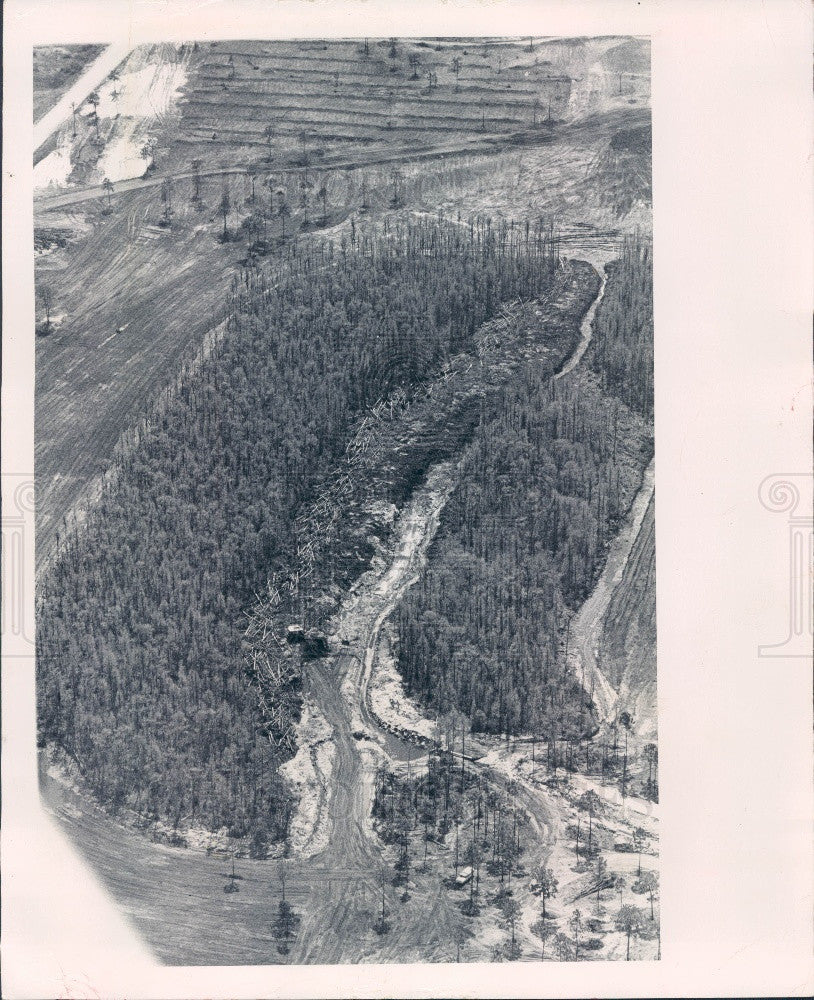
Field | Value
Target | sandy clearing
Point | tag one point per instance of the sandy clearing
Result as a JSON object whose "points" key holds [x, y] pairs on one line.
{"points": [[309, 775], [54, 169], [620, 817], [122, 159], [388, 698], [136, 102], [77, 93], [146, 90], [150, 91]]}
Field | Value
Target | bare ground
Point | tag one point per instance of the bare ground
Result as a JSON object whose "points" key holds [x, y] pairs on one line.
{"points": [[127, 276], [336, 891]]}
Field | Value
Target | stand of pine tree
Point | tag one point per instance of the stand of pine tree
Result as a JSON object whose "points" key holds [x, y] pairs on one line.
{"points": [[542, 491], [622, 345], [140, 651]]}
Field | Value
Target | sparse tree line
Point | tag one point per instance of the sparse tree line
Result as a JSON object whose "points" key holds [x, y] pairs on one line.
{"points": [[140, 652], [479, 830], [605, 755], [471, 833], [600, 887]]}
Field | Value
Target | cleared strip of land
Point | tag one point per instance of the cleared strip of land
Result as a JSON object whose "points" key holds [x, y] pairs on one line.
{"points": [[98, 71]]}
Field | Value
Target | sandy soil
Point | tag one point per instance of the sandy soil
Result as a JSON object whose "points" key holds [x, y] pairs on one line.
{"points": [[134, 104], [586, 627], [54, 169], [309, 775], [148, 90], [127, 266], [388, 699], [77, 93]]}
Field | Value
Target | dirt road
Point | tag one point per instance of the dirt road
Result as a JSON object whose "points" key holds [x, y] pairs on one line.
{"points": [[338, 687], [99, 69], [586, 330], [175, 897], [79, 195], [582, 129], [586, 627]]}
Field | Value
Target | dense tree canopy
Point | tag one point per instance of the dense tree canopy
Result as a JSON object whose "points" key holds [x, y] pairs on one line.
{"points": [[140, 624], [622, 351], [542, 490]]}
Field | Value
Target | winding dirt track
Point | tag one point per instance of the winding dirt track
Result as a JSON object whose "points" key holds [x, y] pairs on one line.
{"points": [[585, 331], [176, 898], [338, 687], [586, 627]]}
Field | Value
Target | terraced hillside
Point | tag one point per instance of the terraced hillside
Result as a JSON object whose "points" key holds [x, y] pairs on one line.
{"points": [[298, 100], [342, 96], [187, 215]]}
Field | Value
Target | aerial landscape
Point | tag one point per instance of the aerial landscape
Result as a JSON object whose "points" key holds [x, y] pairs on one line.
{"points": [[345, 477]]}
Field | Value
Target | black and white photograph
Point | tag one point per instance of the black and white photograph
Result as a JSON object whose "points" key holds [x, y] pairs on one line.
{"points": [[345, 477], [344, 494]]}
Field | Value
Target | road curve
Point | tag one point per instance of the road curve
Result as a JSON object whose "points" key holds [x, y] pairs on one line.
{"points": [[365, 611], [586, 329], [176, 897]]}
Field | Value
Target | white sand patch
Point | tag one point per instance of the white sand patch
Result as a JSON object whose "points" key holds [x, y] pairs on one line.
{"points": [[57, 319], [372, 757], [54, 169], [618, 818], [309, 776], [631, 807], [388, 698], [148, 92], [144, 96], [122, 159], [195, 838], [371, 752], [588, 91]]}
